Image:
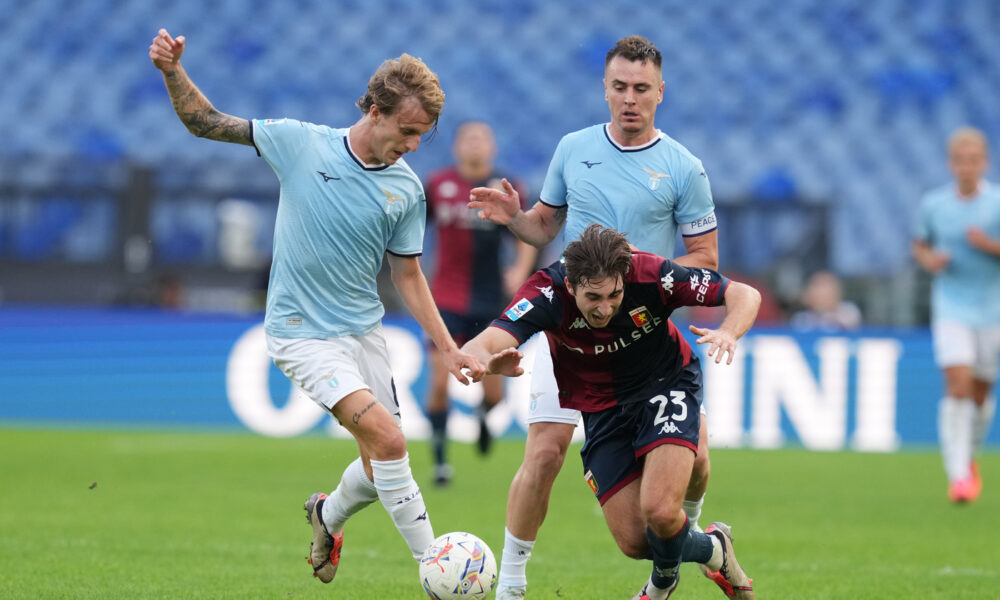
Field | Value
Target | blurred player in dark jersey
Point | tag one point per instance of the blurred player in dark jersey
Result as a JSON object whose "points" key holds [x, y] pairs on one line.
{"points": [[470, 282], [619, 360]]}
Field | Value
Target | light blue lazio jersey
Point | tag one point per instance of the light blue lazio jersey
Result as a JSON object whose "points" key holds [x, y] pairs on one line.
{"points": [[336, 219], [646, 192], [968, 289]]}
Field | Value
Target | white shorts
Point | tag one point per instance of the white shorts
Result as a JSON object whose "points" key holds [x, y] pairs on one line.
{"points": [[958, 345], [328, 370], [544, 407]]}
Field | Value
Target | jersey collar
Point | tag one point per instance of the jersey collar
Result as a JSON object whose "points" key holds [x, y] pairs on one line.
{"points": [[656, 140], [357, 159]]}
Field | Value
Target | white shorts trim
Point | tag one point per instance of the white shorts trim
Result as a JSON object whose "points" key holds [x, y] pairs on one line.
{"points": [[330, 369], [957, 345]]}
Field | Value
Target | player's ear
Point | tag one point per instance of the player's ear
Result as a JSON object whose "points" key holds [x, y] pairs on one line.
{"points": [[569, 286]]}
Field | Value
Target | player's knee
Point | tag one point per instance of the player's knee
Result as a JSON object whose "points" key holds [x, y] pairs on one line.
{"points": [[544, 460], [665, 518], [635, 548], [389, 444]]}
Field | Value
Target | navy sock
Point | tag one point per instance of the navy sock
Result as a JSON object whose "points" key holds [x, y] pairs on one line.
{"points": [[667, 555], [698, 547], [439, 435]]}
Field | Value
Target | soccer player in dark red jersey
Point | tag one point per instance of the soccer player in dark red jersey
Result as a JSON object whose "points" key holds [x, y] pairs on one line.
{"points": [[621, 362], [471, 280]]}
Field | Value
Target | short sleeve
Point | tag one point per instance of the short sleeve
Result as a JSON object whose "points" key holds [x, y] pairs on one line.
{"points": [[280, 141], [695, 202], [554, 187], [408, 236], [534, 308]]}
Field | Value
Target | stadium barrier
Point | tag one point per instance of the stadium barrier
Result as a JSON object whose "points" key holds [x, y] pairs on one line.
{"points": [[871, 390]]}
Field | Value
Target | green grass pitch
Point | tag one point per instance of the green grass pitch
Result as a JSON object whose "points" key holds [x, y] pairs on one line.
{"points": [[207, 515]]}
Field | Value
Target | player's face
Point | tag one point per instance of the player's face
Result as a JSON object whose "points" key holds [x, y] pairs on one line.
{"points": [[967, 160], [598, 299], [474, 144], [632, 89], [396, 134]]}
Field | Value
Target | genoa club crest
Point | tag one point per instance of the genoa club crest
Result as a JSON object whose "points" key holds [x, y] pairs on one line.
{"points": [[640, 316]]}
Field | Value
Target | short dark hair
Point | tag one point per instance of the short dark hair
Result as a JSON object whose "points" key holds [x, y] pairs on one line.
{"points": [[633, 48], [399, 78], [600, 252]]}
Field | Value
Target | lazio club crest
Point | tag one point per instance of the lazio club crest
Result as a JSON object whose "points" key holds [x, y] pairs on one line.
{"points": [[640, 316], [654, 178]]}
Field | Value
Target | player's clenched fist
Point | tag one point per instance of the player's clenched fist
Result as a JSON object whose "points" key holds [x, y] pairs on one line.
{"points": [[165, 51]]}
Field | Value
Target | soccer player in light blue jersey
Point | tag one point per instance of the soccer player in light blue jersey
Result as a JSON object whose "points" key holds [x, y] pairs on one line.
{"points": [[957, 238], [628, 175], [347, 199]]}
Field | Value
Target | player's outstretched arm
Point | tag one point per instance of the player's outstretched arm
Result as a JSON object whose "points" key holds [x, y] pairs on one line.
{"points": [[537, 226], [742, 303], [195, 111], [412, 287], [497, 349]]}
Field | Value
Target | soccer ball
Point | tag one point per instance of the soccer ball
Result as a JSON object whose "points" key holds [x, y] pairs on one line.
{"points": [[458, 566]]}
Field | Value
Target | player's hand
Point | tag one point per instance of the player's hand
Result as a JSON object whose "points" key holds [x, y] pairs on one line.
{"points": [[506, 362], [721, 343], [977, 238], [499, 206], [938, 261], [165, 51], [460, 364]]}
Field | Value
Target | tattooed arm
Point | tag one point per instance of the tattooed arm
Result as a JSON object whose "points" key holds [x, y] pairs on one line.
{"points": [[195, 111]]}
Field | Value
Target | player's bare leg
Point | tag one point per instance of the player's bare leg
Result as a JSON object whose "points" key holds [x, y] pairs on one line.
{"points": [[694, 498], [385, 463], [528, 502]]}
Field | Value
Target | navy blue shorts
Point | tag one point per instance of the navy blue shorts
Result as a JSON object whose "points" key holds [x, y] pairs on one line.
{"points": [[618, 438]]}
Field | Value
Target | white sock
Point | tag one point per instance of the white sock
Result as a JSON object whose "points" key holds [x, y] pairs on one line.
{"points": [[401, 498], [354, 492], [692, 508], [956, 417], [514, 560], [715, 563], [981, 424]]}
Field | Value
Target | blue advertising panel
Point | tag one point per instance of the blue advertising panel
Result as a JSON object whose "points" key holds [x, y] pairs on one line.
{"points": [[869, 390]]}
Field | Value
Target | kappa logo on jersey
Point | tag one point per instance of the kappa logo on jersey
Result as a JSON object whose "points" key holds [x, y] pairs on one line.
{"points": [[328, 177], [579, 323], [668, 282], [519, 309], [654, 178], [670, 427], [593, 484], [640, 316], [588, 163], [547, 291]]}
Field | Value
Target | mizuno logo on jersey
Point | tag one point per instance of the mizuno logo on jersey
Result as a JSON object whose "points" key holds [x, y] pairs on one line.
{"points": [[579, 323], [547, 291], [668, 282], [519, 309], [654, 178], [588, 163], [670, 427], [328, 177]]}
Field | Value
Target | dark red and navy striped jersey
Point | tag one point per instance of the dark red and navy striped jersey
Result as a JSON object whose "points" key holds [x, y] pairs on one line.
{"points": [[468, 277], [638, 353]]}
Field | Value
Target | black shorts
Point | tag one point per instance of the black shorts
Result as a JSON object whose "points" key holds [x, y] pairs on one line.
{"points": [[465, 327], [618, 438]]}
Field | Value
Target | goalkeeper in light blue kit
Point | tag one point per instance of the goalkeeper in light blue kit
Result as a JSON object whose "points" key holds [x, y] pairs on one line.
{"points": [[347, 198], [957, 238], [628, 175]]}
